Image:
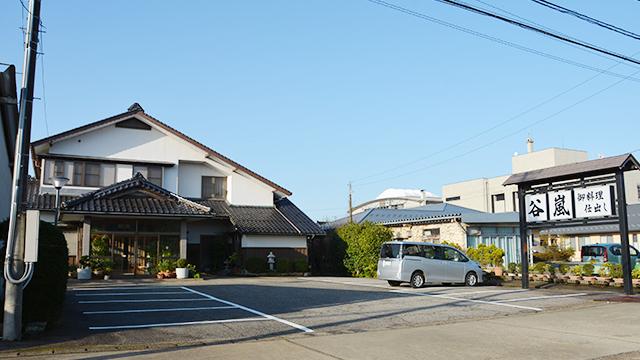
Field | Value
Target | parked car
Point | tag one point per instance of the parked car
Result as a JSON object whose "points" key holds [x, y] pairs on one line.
{"points": [[419, 263], [611, 253]]}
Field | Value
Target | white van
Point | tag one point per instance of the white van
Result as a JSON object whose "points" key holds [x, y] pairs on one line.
{"points": [[419, 263]]}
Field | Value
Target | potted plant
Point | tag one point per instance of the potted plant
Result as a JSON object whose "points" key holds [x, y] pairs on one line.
{"points": [[166, 269], [107, 268], [635, 274], [182, 272], [84, 272]]}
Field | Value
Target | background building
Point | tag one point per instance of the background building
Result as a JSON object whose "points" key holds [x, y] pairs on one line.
{"points": [[398, 199], [489, 195]]}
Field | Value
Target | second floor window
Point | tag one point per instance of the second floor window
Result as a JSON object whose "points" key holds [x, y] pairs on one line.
{"points": [[214, 187]]}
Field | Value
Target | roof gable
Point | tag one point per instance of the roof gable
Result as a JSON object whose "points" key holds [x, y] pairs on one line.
{"points": [[136, 111]]}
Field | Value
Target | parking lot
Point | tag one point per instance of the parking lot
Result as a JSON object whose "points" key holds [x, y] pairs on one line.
{"points": [[169, 313]]}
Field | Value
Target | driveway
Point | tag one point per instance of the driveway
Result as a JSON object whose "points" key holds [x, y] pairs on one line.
{"points": [[158, 314]]}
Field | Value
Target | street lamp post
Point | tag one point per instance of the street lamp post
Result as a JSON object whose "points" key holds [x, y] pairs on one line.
{"points": [[58, 182]]}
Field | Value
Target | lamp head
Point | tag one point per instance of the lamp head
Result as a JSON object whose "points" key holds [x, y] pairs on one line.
{"points": [[59, 182]]}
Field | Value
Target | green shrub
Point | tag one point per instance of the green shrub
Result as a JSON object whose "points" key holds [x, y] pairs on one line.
{"points": [[636, 273], [564, 269], [551, 269], [611, 270], [539, 268], [487, 255], [256, 265], [364, 242], [512, 268], [554, 253], [181, 263], [283, 266], [587, 269], [300, 265], [100, 246], [45, 293], [577, 270], [166, 265]]}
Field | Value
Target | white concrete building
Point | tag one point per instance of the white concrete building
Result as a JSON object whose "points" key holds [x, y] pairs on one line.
{"points": [[398, 199], [154, 192], [489, 195]]}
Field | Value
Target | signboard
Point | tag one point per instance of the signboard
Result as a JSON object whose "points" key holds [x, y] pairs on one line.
{"points": [[536, 207], [593, 201], [579, 203], [560, 205]]}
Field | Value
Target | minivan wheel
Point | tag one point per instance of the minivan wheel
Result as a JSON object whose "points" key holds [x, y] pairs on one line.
{"points": [[471, 279], [393, 283], [417, 280]]}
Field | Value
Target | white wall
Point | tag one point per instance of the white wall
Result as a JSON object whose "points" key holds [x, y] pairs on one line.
{"points": [[477, 194], [190, 177], [271, 241], [206, 227], [546, 158], [156, 145], [5, 179]]}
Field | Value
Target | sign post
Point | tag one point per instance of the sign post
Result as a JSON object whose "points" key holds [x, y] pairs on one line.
{"points": [[587, 193]]}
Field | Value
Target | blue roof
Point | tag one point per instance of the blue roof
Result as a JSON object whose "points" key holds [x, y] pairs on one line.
{"points": [[425, 213]]}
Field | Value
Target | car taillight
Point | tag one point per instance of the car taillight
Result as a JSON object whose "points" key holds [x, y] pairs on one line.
{"points": [[581, 251]]}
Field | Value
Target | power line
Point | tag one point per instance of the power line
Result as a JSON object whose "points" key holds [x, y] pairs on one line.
{"points": [[588, 19], [543, 27], [498, 40], [503, 137], [551, 34]]}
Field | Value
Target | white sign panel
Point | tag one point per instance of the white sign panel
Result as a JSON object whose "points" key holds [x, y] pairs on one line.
{"points": [[593, 201], [560, 205], [536, 207]]}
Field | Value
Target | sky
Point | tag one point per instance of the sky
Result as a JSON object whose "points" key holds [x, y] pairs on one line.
{"points": [[314, 94]]}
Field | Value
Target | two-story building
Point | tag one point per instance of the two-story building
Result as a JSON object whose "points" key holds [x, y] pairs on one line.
{"points": [[154, 192]]}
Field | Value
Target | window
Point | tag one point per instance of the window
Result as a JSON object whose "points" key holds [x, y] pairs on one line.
{"points": [[214, 187], [605, 239], [451, 254], [58, 168], [411, 250], [431, 233], [78, 171], [107, 174], [638, 192], [452, 198], [498, 203], [155, 175], [428, 252], [390, 251], [499, 197], [593, 251], [91, 174]]}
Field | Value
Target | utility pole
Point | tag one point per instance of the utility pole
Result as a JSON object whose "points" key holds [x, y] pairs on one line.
{"points": [[350, 203], [16, 272]]}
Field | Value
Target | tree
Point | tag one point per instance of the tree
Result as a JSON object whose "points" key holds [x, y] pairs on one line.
{"points": [[364, 242], [486, 255]]}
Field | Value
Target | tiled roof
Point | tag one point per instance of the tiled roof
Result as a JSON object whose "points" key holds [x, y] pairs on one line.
{"points": [[299, 219], [138, 196], [633, 214], [135, 196]]}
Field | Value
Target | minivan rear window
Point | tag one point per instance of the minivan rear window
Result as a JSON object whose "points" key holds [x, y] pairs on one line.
{"points": [[593, 251], [390, 251]]}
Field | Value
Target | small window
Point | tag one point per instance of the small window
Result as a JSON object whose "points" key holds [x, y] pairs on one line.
{"points": [[633, 251], [390, 251], [214, 187], [155, 175], [616, 250], [452, 198], [593, 251], [92, 174], [140, 169], [58, 168], [78, 174], [499, 197]]}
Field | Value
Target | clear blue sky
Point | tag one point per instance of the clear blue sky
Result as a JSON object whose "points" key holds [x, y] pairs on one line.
{"points": [[315, 93]]}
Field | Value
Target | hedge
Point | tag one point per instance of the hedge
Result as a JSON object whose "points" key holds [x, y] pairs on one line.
{"points": [[43, 298]]}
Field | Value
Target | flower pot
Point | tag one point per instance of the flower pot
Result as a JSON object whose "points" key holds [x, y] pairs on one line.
{"points": [[636, 282], [84, 273], [107, 276], [497, 270], [160, 275], [182, 273]]}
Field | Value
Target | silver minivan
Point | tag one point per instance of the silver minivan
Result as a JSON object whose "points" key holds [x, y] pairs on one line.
{"points": [[419, 263]]}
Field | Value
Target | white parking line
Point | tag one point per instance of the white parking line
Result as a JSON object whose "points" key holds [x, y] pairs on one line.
{"points": [[256, 312], [478, 292], [429, 294], [141, 287], [176, 324], [541, 297], [156, 310], [136, 293], [466, 300], [138, 301]]}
